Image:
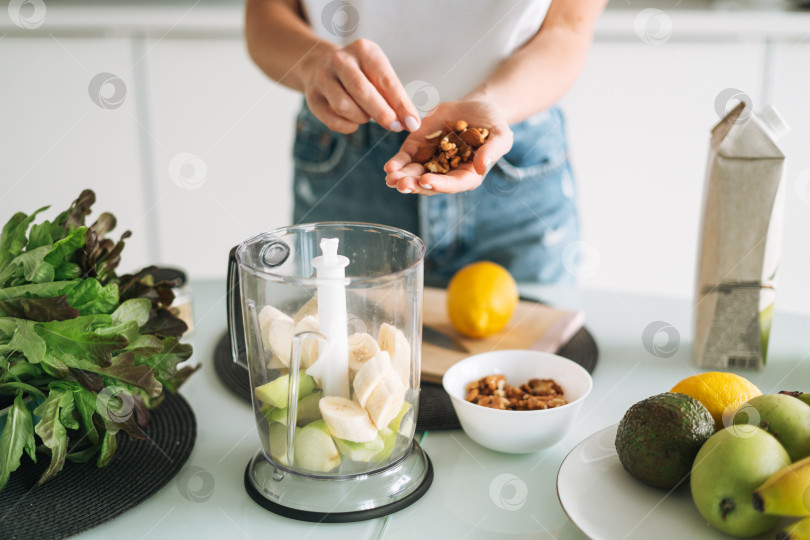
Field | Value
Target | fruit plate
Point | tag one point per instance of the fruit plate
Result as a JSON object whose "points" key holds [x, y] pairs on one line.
{"points": [[604, 501]]}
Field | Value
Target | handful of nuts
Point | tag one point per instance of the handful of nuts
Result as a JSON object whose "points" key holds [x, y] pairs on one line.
{"points": [[493, 392], [446, 149]]}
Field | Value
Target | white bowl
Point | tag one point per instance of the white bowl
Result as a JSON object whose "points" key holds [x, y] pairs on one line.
{"points": [[517, 432]]}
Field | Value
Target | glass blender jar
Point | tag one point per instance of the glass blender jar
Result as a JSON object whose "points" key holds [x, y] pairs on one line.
{"points": [[327, 319]]}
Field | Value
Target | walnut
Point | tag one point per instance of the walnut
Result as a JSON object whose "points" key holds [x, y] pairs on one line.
{"points": [[493, 381], [544, 387], [493, 402], [514, 392], [537, 394], [448, 148], [446, 145], [556, 402], [435, 167], [534, 403]]}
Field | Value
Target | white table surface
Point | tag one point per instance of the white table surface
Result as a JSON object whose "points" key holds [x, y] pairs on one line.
{"points": [[459, 503]]}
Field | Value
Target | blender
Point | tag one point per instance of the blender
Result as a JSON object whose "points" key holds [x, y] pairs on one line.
{"points": [[327, 319]]}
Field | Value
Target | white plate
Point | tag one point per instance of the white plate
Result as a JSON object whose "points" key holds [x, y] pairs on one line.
{"points": [[604, 501]]}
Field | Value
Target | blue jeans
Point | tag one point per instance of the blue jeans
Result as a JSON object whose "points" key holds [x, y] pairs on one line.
{"points": [[522, 217]]}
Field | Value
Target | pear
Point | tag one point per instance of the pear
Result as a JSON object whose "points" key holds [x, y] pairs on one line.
{"points": [[729, 467], [784, 417]]}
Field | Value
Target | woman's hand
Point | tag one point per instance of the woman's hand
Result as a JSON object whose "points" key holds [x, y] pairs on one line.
{"points": [[410, 177], [344, 87]]}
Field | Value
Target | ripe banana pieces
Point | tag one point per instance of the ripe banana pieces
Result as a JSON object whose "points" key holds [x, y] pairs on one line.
{"points": [[347, 420], [393, 341], [799, 530], [309, 347], [786, 492], [362, 347], [277, 331], [386, 400]]}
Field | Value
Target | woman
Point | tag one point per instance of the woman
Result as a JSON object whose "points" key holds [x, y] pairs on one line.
{"points": [[369, 69]]}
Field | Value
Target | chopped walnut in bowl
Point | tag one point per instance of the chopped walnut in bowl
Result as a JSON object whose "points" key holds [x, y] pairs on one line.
{"points": [[534, 413], [492, 391]]}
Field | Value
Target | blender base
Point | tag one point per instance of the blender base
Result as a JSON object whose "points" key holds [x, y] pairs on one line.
{"points": [[339, 499]]}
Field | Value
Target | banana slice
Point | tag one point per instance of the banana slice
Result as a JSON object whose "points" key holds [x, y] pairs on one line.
{"points": [[309, 308], [361, 347], [309, 349], [393, 341], [277, 333], [386, 400], [370, 375], [347, 420]]}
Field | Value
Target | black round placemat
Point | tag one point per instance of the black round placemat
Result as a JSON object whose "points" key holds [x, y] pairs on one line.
{"points": [[435, 409], [231, 374], [82, 496]]}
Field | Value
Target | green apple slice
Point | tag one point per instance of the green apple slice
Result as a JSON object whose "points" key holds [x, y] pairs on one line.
{"points": [[276, 393], [278, 442], [314, 448], [362, 452], [308, 410], [389, 438], [394, 424]]}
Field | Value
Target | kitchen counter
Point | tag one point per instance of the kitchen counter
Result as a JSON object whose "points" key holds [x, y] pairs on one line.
{"points": [[460, 503], [690, 19]]}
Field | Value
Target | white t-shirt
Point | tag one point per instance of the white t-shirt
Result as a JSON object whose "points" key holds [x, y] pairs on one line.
{"points": [[440, 49]]}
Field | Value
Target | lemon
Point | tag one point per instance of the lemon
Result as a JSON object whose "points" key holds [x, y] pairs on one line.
{"points": [[481, 298], [721, 393]]}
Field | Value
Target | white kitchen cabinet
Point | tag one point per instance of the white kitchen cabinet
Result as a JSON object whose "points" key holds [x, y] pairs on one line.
{"points": [[639, 121], [55, 141], [208, 99]]}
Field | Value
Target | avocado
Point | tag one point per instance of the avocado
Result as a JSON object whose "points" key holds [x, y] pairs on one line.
{"points": [[658, 438]]}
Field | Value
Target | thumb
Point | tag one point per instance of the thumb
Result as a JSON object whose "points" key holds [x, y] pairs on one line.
{"points": [[497, 145]]}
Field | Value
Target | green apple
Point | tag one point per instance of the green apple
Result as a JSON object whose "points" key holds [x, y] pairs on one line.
{"points": [[277, 437], [362, 452], [389, 438], [308, 410], [276, 393], [314, 447], [784, 417], [727, 469]]}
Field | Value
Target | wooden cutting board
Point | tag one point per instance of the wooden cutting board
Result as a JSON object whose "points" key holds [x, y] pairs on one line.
{"points": [[532, 326]]}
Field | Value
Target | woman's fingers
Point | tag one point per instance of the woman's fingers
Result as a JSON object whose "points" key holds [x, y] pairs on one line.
{"points": [[498, 144], [456, 181], [323, 111], [378, 70], [367, 96], [406, 179], [342, 103], [396, 163]]}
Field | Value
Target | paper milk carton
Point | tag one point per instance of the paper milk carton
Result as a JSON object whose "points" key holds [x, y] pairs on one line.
{"points": [[741, 235]]}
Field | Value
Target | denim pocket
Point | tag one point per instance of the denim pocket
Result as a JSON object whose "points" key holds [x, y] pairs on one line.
{"points": [[317, 150], [539, 147]]}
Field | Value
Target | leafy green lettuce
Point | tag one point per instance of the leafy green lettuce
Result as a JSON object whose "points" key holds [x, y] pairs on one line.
{"points": [[84, 353]]}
